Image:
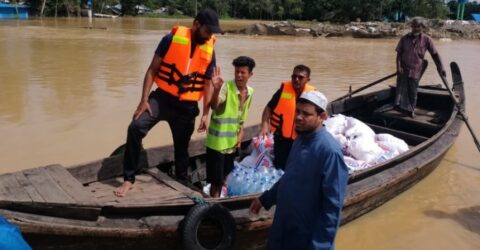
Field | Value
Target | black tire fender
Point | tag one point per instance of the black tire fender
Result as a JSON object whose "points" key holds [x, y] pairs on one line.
{"points": [[194, 218], [119, 150]]}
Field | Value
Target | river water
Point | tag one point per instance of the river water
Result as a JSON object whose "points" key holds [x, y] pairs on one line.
{"points": [[67, 94]]}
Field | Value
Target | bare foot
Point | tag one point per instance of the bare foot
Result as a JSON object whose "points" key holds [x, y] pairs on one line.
{"points": [[123, 189]]}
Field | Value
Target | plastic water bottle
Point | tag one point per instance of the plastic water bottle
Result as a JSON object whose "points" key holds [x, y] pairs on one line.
{"points": [[263, 170], [264, 179], [231, 185], [271, 172], [236, 184], [262, 187], [245, 175], [253, 187], [231, 176], [243, 188], [237, 166], [256, 175], [279, 173], [250, 172]]}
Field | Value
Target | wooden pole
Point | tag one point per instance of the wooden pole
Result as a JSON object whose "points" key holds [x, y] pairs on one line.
{"points": [[90, 22], [16, 9], [459, 108], [43, 8]]}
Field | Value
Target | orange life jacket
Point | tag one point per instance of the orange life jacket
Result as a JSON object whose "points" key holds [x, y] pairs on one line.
{"points": [[283, 115], [181, 75]]}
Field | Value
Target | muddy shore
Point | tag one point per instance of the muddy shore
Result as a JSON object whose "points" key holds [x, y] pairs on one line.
{"points": [[439, 29]]}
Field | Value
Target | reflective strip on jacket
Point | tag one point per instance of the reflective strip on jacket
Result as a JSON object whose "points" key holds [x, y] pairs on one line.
{"points": [[283, 115], [181, 75], [224, 128]]}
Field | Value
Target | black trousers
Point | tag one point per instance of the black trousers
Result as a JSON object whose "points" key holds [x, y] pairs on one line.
{"points": [[218, 166], [180, 116], [281, 150]]}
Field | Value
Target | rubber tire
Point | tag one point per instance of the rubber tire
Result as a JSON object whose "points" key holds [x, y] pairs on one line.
{"points": [[194, 218], [119, 150]]}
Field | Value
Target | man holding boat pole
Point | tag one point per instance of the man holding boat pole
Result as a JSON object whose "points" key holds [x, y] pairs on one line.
{"points": [[411, 51]]}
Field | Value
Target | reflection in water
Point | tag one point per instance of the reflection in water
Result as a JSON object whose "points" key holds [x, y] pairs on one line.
{"points": [[67, 95]]}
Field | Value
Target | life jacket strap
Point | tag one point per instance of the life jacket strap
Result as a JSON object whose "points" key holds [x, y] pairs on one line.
{"points": [[193, 78], [276, 121]]}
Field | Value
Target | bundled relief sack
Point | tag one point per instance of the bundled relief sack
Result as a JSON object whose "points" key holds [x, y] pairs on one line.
{"points": [[391, 143], [360, 145], [364, 148], [355, 128], [342, 141], [387, 155], [262, 144], [260, 147], [336, 124]]}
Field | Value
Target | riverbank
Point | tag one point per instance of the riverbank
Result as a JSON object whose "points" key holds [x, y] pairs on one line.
{"points": [[440, 29]]}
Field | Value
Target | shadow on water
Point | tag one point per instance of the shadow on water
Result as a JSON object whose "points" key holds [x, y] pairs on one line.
{"points": [[468, 217]]}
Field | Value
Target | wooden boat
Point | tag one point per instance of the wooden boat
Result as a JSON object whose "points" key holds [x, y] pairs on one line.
{"points": [[74, 207]]}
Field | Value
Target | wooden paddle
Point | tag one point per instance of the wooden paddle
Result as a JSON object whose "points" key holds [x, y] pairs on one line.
{"points": [[457, 76], [365, 87], [424, 67]]}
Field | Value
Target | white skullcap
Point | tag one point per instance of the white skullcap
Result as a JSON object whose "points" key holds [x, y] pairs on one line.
{"points": [[316, 97]]}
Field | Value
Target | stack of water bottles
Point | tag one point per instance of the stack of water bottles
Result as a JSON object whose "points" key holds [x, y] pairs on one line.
{"points": [[255, 173]]}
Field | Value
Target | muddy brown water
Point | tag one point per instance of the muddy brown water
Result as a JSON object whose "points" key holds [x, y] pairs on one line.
{"points": [[67, 94]]}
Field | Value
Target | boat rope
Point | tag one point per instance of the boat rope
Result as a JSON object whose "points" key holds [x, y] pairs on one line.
{"points": [[198, 200]]}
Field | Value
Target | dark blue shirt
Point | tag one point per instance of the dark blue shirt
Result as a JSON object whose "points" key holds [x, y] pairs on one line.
{"points": [[309, 196], [164, 44]]}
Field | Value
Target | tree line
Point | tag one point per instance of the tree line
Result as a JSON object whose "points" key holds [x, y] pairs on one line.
{"points": [[318, 10]]}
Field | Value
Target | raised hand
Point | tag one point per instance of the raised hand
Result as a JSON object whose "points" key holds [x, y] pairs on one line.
{"points": [[217, 80]]}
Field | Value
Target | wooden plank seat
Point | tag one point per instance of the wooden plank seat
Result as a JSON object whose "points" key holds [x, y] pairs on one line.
{"points": [[426, 119], [409, 138], [49, 190]]}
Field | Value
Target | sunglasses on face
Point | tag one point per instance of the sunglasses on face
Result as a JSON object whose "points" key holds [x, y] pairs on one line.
{"points": [[299, 77]]}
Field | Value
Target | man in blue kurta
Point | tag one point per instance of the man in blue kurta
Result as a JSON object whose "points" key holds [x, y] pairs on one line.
{"points": [[309, 197]]}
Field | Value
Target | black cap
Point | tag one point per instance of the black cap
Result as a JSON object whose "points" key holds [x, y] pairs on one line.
{"points": [[209, 17]]}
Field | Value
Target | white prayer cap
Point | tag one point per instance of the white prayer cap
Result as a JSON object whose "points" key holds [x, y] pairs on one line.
{"points": [[315, 97]]}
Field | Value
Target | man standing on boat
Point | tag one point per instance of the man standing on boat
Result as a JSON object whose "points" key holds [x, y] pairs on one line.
{"points": [[411, 50], [230, 103], [278, 115], [181, 68], [309, 196]]}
